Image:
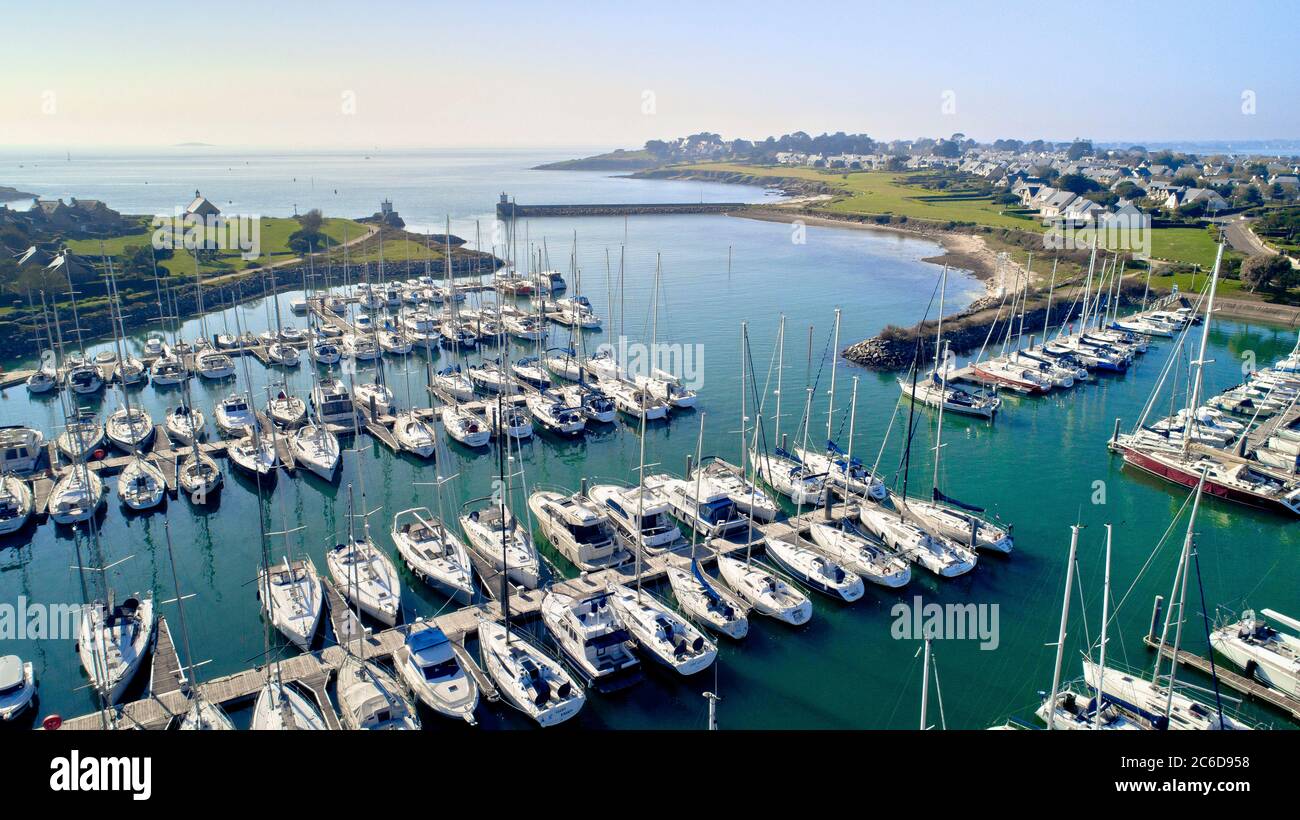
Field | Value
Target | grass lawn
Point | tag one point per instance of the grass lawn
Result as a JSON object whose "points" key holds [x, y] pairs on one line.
{"points": [[274, 241], [883, 192], [1192, 245]]}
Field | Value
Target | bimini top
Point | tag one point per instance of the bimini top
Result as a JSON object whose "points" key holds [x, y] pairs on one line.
{"points": [[426, 639]]}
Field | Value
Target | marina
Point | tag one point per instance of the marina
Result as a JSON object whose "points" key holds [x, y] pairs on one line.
{"points": [[215, 555]]}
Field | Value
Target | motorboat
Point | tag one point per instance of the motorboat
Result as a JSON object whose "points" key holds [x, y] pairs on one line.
{"points": [[642, 518], [590, 636], [427, 663], [578, 529], [235, 415], [332, 403], [20, 448]]}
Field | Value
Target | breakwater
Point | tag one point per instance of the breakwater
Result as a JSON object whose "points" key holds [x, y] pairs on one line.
{"points": [[512, 210]]}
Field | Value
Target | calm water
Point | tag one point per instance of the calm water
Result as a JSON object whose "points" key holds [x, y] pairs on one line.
{"points": [[1036, 467]]}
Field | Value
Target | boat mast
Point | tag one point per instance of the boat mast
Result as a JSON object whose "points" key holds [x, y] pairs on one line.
{"points": [[835, 357], [1060, 635], [925, 681], [938, 433], [848, 456], [1183, 567], [1101, 654], [1047, 313], [642, 393], [1194, 400], [699, 454]]}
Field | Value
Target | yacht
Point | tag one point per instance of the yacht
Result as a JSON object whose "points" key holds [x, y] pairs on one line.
{"points": [[367, 578], [465, 427], [234, 415], [589, 635], [199, 476], [433, 553], [113, 641], [765, 592], [20, 449], [453, 384], [42, 381], [707, 602], [1270, 655], [169, 370], [669, 638], [17, 686], [495, 534], [369, 698], [641, 519], [205, 716], [76, 496], [555, 415], [936, 554], [749, 498], [527, 677], [184, 424], [317, 448], [374, 397], [280, 707], [141, 485], [332, 404], [415, 435], [130, 428], [84, 379], [867, 557], [286, 410], [578, 529], [81, 439], [15, 504], [427, 663], [292, 598], [634, 401], [1149, 701], [785, 473], [213, 364], [814, 569], [255, 455]]}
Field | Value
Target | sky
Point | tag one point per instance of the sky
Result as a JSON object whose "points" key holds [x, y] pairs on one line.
{"points": [[507, 74]]}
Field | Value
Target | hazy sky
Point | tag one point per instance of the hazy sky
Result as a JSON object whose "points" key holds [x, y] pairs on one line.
{"points": [[471, 73]]}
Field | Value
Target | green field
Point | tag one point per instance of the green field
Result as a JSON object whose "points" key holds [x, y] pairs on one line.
{"points": [[1195, 246], [274, 241], [882, 192]]}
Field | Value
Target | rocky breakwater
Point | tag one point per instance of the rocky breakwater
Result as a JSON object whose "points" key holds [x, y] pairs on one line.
{"points": [[986, 320]]}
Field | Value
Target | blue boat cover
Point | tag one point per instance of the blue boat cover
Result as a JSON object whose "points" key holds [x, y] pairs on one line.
{"points": [[938, 496], [425, 639]]}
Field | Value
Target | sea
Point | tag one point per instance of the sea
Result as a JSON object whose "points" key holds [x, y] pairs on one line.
{"points": [[1041, 467]]}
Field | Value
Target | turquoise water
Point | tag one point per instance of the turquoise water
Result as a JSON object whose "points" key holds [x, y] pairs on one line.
{"points": [[1036, 467]]}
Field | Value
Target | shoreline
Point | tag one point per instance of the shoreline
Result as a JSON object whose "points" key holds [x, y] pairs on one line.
{"points": [[963, 251]]}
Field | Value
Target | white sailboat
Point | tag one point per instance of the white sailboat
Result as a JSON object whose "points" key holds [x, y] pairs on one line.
{"points": [[365, 576], [199, 476], [529, 679], [113, 642], [866, 557], [76, 496], [15, 504], [184, 424], [141, 485], [495, 533], [279, 707], [317, 447], [765, 592], [370, 699], [433, 553], [666, 636], [292, 599], [815, 569]]}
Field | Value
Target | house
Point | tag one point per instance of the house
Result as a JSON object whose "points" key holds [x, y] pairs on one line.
{"points": [[202, 206], [1056, 204], [1179, 197], [1289, 182], [77, 216]]}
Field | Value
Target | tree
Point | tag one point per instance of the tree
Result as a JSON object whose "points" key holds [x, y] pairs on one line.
{"points": [[1264, 271], [1079, 149], [312, 221], [1077, 183]]}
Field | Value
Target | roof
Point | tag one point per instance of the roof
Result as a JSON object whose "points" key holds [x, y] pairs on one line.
{"points": [[202, 206]]}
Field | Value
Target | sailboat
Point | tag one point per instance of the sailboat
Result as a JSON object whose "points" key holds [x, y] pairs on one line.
{"points": [[781, 469], [76, 495], [528, 678], [814, 568], [669, 638], [495, 533], [114, 640], [364, 575], [199, 476], [370, 699], [433, 553], [1234, 479], [427, 663], [1158, 701]]}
